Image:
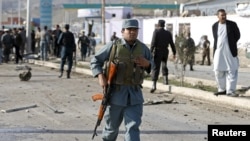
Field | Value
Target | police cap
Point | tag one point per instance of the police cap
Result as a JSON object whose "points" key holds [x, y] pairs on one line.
{"points": [[130, 23]]}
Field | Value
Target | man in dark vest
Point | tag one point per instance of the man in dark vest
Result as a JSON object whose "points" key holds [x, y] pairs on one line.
{"points": [[68, 46]]}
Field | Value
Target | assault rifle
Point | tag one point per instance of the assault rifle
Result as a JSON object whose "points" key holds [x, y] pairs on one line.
{"points": [[105, 97]]}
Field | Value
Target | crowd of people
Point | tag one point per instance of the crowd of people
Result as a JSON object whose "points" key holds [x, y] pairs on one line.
{"points": [[12, 41], [44, 42]]}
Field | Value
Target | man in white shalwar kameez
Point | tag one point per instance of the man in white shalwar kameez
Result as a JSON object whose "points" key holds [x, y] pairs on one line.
{"points": [[226, 62]]}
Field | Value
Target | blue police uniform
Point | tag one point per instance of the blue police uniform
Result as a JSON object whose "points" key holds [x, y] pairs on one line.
{"points": [[126, 102]]}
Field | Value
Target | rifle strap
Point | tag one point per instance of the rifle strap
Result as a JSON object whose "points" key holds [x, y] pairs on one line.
{"points": [[113, 51], [111, 57]]}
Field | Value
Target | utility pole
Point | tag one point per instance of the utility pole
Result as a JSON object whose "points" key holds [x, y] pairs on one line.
{"points": [[19, 13], [103, 23], [28, 36], [1, 10]]}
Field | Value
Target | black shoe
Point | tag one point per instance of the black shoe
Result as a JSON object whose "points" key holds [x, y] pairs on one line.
{"points": [[220, 93], [232, 94], [152, 90]]}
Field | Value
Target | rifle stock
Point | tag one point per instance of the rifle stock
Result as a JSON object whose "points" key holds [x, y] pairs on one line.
{"points": [[105, 97], [97, 97]]}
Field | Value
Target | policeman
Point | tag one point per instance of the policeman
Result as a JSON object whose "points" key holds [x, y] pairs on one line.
{"points": [[159, 47], [132, 58], [68, 46]]}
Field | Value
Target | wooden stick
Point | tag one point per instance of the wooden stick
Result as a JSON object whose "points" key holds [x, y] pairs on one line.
{"points": [[18, 109]]}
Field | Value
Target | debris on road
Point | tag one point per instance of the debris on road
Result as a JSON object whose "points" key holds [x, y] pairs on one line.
{"points": [[18, 109], [159, 101], [53, 109], [26, 74]]}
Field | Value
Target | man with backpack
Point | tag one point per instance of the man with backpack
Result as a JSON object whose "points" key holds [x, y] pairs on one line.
{"points": [[68, 46]]}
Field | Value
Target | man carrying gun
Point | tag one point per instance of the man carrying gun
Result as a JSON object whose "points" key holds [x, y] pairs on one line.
{"points": [[125, 98]]}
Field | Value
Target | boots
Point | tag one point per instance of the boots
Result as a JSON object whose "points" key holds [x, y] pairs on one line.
{"points": [[153, 87], [68, 74], [191, 68], [61, 74], [165, 80], [203, 60]]}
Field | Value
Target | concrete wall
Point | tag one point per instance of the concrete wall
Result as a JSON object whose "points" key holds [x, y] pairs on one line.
{"points": [[198, 26], [118, 12]]}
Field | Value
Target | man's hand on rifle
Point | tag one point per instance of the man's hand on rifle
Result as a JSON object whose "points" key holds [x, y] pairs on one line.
{"points": [[102, 80]]}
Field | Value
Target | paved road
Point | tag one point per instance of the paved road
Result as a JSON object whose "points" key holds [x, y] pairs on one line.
{"points": [[185, 119]]}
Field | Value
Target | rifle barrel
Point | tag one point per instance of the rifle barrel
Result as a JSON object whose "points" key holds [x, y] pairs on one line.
{"points": [[95, 133]]}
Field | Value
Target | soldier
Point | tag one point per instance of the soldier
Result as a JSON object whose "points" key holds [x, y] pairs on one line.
{"points": [[179, 45], [206, 51], [188, 52], [83, 44]]}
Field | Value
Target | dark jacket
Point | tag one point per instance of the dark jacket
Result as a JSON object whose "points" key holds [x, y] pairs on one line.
{"points": [[18, 39], [233, 34], [161, 40]]}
